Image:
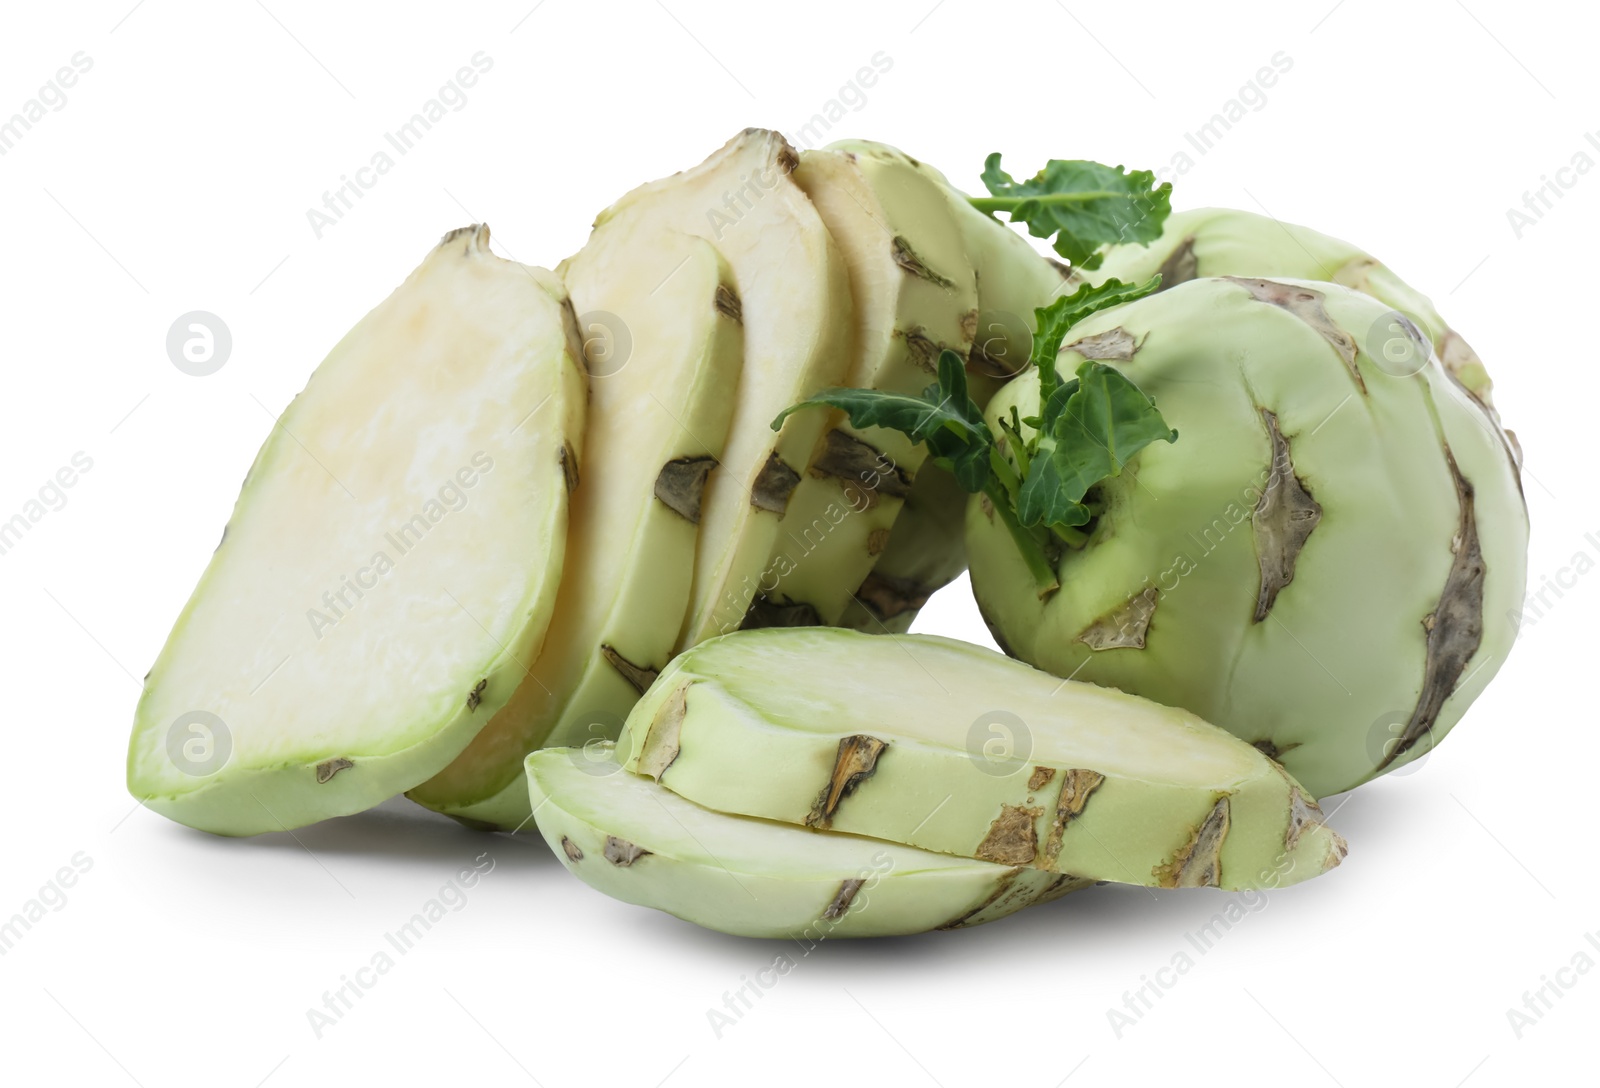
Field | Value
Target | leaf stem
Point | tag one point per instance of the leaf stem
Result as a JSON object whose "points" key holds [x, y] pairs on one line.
{"points": [[1070, 536], [1009, 478], [1044, 576], [1007, 203]]}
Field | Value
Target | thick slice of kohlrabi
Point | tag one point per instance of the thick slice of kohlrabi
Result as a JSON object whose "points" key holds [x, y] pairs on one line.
{"points": [[924, 553], [391, 564], [1013, 278], [664, 342], [915, 296], [921, 553], [637, 841], [951, 747], [796, 305]]}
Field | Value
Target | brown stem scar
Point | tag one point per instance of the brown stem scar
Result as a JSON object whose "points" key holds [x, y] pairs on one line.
{"points": [[1012, 838], [1181, 265], [1284, 519], [622, 853], [1199, 863], [1125, 626], [855, 762], [1076, 787], [1116, 345], [773, 486], [681, 485], [728, 304], [887, 596], [637, 675], [849, 458], [660, 746], [569, 466], [906, 257], [1454, 627], [328, 768], [842, 899], [764, 612]]}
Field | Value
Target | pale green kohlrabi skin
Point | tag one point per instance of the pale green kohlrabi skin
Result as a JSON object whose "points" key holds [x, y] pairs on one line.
{"points": [[1224, 242], [925, 553], [634, 839], [1326, 562], [950, 747]]}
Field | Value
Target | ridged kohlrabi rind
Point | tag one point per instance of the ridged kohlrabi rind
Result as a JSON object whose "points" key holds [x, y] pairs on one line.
{"points": [[1327, 561], [634, 839], [954, 748]]}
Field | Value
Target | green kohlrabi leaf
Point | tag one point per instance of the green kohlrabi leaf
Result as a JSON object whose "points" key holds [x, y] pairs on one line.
{"points": [[963, 448], [1082, 205], [1105, 422], [1046, 421], [1097, 422], [912, 416], [1044, 501], [1056, 319], [944, 418]]}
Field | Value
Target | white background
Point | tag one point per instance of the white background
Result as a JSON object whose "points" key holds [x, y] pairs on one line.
{"points": [[177, 178]]}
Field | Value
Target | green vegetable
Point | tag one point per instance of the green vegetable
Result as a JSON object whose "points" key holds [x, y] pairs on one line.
{"points": [[390, 566], [1206, 242], [946, 746], [794, 306], [1013, 280], [633, 839], [924, 553], [1083, 205], [1226, 242], [1090, 427], [924, 550], [1328, 564], [914, 293], [662, 354]]}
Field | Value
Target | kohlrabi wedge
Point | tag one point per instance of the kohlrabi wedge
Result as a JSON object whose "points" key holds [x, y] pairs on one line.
{"points": [[390, 567], [1329, 560], [915, 296], [953, 748], [661, 321], [637, 841], [795, 296]]}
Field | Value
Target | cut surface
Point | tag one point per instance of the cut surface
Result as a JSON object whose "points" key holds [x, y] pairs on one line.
{"points": [[664, 348], [795, 302], [946, 746], [393, 555], [637, 841]]}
